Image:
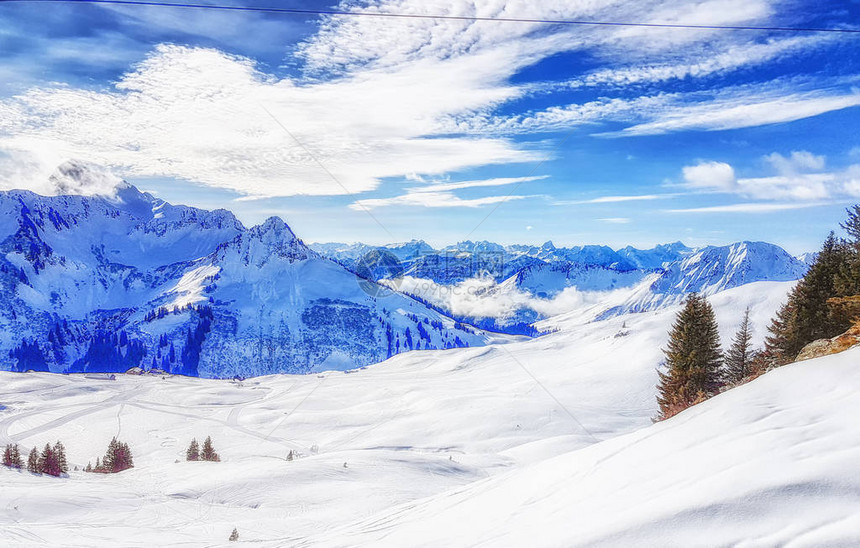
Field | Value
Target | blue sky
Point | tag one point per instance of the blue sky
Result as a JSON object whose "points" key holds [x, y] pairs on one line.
{"points": [[380, 130]]}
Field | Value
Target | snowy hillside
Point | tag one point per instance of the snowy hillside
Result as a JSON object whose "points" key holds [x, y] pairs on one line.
{"points": [[771, 463], [415, 426], [123, 279], [552, 434]]}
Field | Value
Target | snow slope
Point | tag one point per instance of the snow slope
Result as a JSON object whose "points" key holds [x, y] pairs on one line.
{"points": [[775, 462], [419, 425]]}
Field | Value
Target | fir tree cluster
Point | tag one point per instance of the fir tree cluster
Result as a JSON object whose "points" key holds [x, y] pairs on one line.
{"points": [[698, 370], [207, 453], [51, 461], [116, 459], [809, 313]]}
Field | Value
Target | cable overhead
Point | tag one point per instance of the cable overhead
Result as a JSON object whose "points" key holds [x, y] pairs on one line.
{"points": [[304, 11]]}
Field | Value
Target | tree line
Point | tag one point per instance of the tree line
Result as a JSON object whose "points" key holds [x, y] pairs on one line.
{"points": [[815, 309]]}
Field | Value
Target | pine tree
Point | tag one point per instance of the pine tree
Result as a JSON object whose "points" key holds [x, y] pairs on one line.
{"points": [[89, 467], [208, 452], [737, 359], [48, 461], [60, 452], [806, 315], [848, 278], [17, 461], [234, 535], [193, 452], [693, 358], [33, 461], [117, 457], [7, 456]]}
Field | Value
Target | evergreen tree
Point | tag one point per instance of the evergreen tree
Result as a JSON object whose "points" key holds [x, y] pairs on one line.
{"points": [[848, 278], [234, 535], [851, 226], [737, 359], [7, 456], [15, 457], [117, 458], [806, 316], [60, 452], [193, 452], [208, 452], [48, 463], [89, 467], [693, 357], [33, 461]]}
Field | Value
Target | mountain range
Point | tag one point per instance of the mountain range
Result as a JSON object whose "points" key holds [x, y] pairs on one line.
{"points": [[122, 280], [647, 279]]}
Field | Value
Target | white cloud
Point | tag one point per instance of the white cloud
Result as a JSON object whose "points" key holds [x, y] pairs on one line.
{"points": [[799, 160], [484, 298], [440, 195], [430, 199], [710, 175], [749, 208], [716, 59], [616, 199], [745, 108], [501, 181], [806, 186], [198, 114], [615, 220], [799, 176], [383, 98], [716, 110], [852, 181]]}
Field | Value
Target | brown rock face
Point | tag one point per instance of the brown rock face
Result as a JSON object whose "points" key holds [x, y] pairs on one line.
{"points": [[824, 347]]}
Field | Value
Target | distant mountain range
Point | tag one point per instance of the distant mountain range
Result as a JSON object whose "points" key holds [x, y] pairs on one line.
{"points": [[654, 278], [107, 283], [121, 280]]}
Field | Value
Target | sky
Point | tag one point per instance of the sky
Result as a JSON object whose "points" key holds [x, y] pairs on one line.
{"points": [[383, 129]]}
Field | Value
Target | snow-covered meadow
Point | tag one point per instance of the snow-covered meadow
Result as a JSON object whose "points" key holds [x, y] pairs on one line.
{"points": [[552, 434]]}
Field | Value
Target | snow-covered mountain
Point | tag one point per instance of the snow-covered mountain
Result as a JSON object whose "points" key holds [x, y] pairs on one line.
{"points": [[710, 270], [535, 282], [123, 279], [657, 257]]}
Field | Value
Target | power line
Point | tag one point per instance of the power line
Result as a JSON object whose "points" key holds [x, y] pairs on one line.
{"points": [[304, 11]]}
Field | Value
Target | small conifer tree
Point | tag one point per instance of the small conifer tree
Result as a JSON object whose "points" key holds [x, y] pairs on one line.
{"points": [[117, 458], [7, 456], [234, 536], [208, 452], [48, 463], [193, 452], [60, 453], [738, 358], [33, 462], [17, 461]]}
